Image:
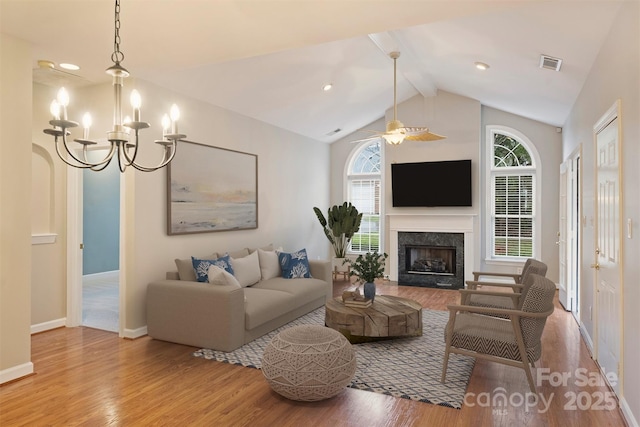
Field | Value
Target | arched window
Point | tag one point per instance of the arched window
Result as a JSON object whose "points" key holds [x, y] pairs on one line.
{"points": [[363, 191], [513, 208]]}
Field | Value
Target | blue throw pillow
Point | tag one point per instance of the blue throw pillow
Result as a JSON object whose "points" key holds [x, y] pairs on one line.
{"points": [[294, 265], [201, 266]]}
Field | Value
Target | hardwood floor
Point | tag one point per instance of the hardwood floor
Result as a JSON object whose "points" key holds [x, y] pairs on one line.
{"points": [[90, 377]]}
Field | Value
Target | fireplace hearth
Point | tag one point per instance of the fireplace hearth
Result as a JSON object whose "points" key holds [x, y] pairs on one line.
{"points": [[431, 259]]}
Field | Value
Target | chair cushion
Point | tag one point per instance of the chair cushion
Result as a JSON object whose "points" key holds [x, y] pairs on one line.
{"points": [[488, 335], [491, 301]]}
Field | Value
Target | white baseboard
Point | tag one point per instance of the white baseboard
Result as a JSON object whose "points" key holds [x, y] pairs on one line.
{"points": [[587, 338], [16, 372], [628, 415], [106, 275], [46, 326], [134, 333]]}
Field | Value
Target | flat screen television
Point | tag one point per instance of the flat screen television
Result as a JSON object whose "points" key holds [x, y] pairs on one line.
{"points": [[443, 183]]}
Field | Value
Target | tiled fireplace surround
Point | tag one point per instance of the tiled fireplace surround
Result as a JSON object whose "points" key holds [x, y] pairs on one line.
{"points": [[456, 224]]}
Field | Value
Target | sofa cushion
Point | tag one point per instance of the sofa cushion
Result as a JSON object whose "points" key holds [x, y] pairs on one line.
{"points": [[185, 268], [269, 264], [295, 264], [263, 305], [201, 266], [246, 269], [302, 291], [269, 247], [220, 276], [239, 253]]}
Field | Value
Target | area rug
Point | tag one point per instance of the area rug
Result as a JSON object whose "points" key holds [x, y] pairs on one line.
{"points": [[409, 368]]}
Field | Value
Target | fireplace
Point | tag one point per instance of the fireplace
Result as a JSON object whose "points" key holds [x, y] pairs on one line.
{"points": [[439, 260], [431, 259], [465, 225]]}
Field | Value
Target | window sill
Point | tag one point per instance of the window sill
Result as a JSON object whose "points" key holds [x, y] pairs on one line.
{"points": [[506, 262]]}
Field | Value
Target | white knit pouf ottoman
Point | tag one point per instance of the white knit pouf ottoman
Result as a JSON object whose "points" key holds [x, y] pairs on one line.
{"points": [[309, 362]]}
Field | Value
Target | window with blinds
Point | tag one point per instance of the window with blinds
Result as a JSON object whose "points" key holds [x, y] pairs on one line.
{"points": [[364, 191], [512, 198]]}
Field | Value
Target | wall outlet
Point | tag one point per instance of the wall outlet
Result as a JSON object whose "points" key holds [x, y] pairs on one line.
{"points": [[519, 270]]}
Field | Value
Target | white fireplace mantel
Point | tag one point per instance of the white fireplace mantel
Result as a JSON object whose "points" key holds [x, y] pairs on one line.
{"points": [[434, 224]]}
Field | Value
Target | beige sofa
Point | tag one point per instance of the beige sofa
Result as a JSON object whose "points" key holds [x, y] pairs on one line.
{"points": [[226, 317]]}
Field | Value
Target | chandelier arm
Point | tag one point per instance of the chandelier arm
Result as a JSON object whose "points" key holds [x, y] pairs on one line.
{"points": [[98, 168], [123, 147], [80, 163], [166, 158], [64, 159]]}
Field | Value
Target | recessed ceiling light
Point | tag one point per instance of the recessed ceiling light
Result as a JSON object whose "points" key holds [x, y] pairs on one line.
{"points": [[481, 66], [327, 87], [71, 67]]}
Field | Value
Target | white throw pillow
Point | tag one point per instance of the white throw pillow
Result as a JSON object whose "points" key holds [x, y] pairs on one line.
{"points": [[269, 265], [219, 276], [246, 269]]}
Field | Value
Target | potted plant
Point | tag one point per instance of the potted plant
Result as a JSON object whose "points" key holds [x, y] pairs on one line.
{"points": [[341, 223], [367, 268]]}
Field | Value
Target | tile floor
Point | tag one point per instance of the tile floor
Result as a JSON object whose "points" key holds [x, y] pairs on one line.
{"points": [[100, 301]]}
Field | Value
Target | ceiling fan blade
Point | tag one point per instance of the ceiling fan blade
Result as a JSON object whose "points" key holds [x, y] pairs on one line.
{"points": [[369, 138], [424, 136]]}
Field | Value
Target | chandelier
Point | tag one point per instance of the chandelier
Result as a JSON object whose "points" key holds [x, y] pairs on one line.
{"points": [[123, 138]]}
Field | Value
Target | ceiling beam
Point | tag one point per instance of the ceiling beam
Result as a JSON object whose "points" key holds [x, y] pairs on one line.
{"points": [[408, 66]]}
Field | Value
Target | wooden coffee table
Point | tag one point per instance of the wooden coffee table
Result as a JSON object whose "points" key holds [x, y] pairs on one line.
{"points": [[388, 317]]}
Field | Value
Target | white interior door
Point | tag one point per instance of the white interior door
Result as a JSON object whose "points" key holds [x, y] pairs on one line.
{"points": [[608, 277], [563, 291]]}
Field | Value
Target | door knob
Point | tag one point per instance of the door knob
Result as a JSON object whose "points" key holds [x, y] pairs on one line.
{"points": [[596, 266]]}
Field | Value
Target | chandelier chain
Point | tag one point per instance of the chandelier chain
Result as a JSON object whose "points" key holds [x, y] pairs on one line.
{"points": [[117, 56]]}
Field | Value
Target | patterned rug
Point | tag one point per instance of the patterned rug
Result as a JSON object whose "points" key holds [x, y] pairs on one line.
{"points": [[409, 368]]}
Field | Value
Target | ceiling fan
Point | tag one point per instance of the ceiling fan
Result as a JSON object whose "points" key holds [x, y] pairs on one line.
{"points": [[396, 131]]}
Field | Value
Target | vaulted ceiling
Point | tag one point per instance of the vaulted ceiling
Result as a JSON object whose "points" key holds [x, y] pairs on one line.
{"points": [[269, 59]]}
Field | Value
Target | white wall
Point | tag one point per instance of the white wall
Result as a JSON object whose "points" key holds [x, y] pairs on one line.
{"points": [[15, 206], [48, 272], [615, 75]]}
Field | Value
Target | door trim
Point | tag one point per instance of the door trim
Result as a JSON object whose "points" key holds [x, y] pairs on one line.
{"points": [[74, 253]]}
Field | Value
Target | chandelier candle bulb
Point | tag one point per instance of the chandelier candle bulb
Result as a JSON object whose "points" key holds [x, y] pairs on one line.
{"points": [[54, 108], [86, 125], [166, 122], [136, 103], [63, 101], [175, 115]]}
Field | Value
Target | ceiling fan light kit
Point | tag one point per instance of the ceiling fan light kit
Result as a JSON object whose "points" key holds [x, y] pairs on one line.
{"points": [[396, 132], [121, 145]]}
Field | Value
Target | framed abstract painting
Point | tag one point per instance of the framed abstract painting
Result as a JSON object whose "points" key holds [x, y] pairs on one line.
{"points": [[211, 189]]}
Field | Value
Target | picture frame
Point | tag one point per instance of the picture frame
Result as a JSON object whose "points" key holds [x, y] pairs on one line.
{"points": [[211, 189]]}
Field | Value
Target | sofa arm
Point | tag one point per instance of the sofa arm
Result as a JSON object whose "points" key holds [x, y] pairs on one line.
{"points": [[321, 270], [196, 314]]}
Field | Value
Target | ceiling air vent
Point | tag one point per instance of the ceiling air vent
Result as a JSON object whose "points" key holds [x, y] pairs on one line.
{"points": [[333, 132], [550, 63]]}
